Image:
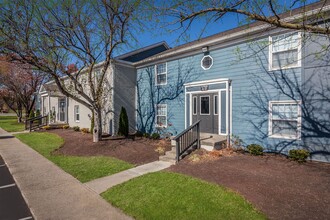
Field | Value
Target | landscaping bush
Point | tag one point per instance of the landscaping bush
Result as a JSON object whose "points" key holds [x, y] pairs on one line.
{"points": [[146, 135], [299, 155], [47, 127], [37, 113], [139, 134], [65, 126], [255, 149], [155, 136], [31, 115], [76, 128], [84, 130], [123, 123]]}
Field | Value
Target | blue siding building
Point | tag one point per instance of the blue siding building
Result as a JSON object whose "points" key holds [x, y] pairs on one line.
{"points": [[265, 85]]}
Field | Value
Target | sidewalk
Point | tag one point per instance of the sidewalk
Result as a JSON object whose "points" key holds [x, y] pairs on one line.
{"points": [[102, 184], [50, 192]]}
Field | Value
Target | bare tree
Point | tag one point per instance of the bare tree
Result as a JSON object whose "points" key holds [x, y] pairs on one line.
{"points": [[49, 35], [273, 13]]}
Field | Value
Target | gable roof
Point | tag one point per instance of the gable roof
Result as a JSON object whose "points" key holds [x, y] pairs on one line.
{"points": [[143, 53], [255, 27]]}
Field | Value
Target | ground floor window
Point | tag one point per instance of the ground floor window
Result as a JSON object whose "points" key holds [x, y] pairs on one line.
{"points": [[284, 119], [76, 113], [161, 115]]}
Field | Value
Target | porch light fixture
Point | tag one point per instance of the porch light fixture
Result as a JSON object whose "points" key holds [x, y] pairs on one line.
{"points": [[205, 49]]}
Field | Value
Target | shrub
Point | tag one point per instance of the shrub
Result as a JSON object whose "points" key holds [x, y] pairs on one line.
{"points": [[146, 135], [84, 130], [37, 113], [65, 126], [155, 136], [76, 128], [31, 115], [255, 149], [47, 127], [160, 150], [139, 134], [299, 155], [123, 123]]}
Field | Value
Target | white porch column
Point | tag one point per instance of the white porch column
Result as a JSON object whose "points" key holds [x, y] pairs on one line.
{"points": [[49, 107]]}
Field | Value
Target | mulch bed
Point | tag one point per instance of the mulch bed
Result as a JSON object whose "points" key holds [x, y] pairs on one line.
{"points": [[280, 188], [137, 152]]}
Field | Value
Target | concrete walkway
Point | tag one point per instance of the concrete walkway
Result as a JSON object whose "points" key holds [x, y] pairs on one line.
{"points": [[102, 184], [50, 192]]}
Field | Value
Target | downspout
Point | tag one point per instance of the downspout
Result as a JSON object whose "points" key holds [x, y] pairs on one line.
{"points": [[229, 113]]}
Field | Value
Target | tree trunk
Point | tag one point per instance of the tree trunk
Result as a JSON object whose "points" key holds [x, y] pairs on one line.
{"points": [[19, 115], [97, 132]]}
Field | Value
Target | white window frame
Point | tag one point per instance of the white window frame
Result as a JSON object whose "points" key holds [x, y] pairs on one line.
{"points": [[270, 120], [76, 113], [200, 104], [215, 97], [270, 57], [204, 68], [165, 125], [194, 102], [157, 74]]}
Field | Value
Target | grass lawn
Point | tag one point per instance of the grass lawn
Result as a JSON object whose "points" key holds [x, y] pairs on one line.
{"points": [[10, 124], [165, 195], [83, 168]]}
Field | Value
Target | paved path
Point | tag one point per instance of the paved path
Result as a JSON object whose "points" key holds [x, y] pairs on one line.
{"points": [[50, 192], [102, 184]]}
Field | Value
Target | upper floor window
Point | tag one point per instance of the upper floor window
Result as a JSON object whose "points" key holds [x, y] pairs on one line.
{"points": [[207, 62], [284, 51], [161, 74], [284, 119]]}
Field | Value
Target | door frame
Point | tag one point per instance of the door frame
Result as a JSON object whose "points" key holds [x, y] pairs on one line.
{"points": [[202, 87]]}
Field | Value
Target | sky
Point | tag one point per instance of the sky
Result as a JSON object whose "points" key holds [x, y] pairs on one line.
{"points": [[155, 32]]}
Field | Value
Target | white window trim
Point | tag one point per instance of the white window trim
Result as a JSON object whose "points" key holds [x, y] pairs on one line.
{"points": [[270, 56], [157, 125], [202, 62], [75, 113], [215, 97], [200, 104], [270, 121], [194, 101], [156, 74]]}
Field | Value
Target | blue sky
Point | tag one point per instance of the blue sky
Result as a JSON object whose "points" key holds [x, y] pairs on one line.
{"points": [[154, 32]]}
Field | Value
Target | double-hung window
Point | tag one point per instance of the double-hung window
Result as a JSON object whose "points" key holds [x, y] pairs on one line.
{"points": [[161, 74], [284, 119], [284, 51], [161, 115], [76, 113]]}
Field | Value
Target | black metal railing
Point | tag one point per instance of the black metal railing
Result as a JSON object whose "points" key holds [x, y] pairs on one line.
{"points": [[36, 122], [186, 139]]}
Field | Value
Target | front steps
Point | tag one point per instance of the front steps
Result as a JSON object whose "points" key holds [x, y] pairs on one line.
{"points": [[213, 141], [208, 142], [169, 156]]}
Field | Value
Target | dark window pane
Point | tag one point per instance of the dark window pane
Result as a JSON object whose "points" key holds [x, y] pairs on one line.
{"points": [[195, 105], [205, 105], [215, 104]]}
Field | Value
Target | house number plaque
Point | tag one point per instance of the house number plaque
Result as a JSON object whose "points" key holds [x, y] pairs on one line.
{"points": [[204, 88]]}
